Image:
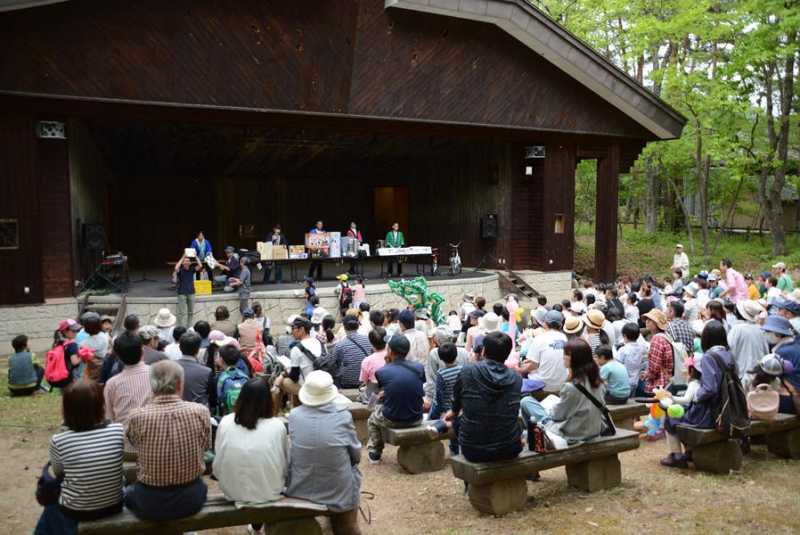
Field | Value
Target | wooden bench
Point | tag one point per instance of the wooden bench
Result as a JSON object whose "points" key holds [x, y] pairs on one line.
{"points": [[500, 487], [713, 452], [418, 451], [624, 416], [283, 517]]}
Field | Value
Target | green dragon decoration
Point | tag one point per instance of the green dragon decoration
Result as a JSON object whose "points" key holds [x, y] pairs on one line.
{"points": [[416, 293]]}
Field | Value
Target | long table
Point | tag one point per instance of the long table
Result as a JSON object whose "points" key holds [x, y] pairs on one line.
{"points": [[420, 262]]}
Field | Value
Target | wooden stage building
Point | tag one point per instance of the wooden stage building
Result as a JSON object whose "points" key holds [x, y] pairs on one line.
{"points": [[156, 119]]}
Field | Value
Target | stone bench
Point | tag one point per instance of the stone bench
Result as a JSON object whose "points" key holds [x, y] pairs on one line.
{"points": [[624, 416], [418, 451], [350, 393], [360, 414], [500, 487], [283, 517], [713, 452]]}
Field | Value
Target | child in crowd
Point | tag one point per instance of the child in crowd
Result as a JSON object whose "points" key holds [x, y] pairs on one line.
{"points": [[106, 325], [615, 376], [631, 354], [631, 310], [453, 323], [445, 383], [24, 372], [231, 380], [359, 292], [693, 369]]}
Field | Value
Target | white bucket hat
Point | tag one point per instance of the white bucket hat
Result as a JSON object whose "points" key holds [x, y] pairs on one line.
{"points": [[318, 389], [750, 310], [490, 322], [318, 315], [164, 318]]}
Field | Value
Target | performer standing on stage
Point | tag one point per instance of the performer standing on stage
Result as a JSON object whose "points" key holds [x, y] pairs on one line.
{"points": [[315, 269], [183, 277], [203, 248], [277, 239], [395, 239], [355, 234]]}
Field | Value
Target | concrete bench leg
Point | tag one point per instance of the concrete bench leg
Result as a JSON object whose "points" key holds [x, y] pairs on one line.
{"points": [[361, 431], [308, 526], [419, 458], [785, 444], [500, 497], [719, 457], [596, 474]]}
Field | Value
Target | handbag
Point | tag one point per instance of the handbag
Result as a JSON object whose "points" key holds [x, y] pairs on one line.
{"points": [[48, 487], [538, 440], [763, 402], [610, 429]]}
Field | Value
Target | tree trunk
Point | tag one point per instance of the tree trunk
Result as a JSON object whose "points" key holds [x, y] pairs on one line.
{"points": [[651, 197]]}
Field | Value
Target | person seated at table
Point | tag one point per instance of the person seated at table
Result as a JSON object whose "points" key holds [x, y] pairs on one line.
{"points": [[572, 417], [278, 239], [325, 453], [486, 398], [251, 459], [171, 437], [88, 456]]}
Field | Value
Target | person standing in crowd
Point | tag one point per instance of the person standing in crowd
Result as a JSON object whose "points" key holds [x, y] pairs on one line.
{"points": [[349, 352], [97, 342], [359, 292], [419, 346], [223, 322], [88, 458], [790, 310], [202, 248], [785, 282], [660, 362], [242, 285], [173, 350], [197, 381], [395, 239], [325, 453], [165, 321], [315, 269], [171, 437], [149, 337], [736, 287], [753, 293], [746, 339], [278, 240], [183, 277], [130, 388], [24, 372], [576, 417], [701, 413], [310, 291], [401, 381], [251, 459], [680, 260], [486, 402]]}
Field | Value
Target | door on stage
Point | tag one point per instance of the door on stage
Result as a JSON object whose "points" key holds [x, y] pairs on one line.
{"points": [[391, 204]]}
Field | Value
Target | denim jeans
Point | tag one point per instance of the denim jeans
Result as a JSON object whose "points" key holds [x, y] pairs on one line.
{"points": [[166, 503], [533, 410]]}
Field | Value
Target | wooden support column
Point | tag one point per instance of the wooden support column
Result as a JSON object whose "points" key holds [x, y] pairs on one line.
{"points": [[605, 234]]}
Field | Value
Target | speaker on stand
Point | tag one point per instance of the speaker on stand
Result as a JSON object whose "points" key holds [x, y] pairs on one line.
{"points": [[488, 232]]}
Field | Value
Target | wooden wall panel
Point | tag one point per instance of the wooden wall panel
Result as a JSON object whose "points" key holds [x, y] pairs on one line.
{"points": [[56, 223], [18, 200]]}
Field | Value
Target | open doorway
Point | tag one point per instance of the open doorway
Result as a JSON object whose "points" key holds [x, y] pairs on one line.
{"points": [[391, 204]]}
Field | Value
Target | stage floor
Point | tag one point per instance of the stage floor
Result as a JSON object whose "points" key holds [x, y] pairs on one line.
{"points": [[160, 284]]}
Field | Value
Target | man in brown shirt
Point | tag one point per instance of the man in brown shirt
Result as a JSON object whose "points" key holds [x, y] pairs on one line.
{"points": [[130, 388], [171, 436]]}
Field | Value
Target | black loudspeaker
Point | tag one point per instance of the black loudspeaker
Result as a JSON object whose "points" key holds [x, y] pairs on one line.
{"points": [[489, 227], [94, 237]]}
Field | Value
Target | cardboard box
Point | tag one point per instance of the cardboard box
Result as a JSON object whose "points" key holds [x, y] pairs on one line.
{"points": [[279, 252]]}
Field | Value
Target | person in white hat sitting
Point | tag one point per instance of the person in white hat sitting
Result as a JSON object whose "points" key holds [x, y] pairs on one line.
{"points": [[325, 453], [680, 260], [165, 321], [746, 339]]}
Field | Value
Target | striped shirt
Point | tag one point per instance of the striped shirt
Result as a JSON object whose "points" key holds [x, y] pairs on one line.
{"points": [[349, 353], [445, 381], [171, 437], [91, 462], [128, 390]]}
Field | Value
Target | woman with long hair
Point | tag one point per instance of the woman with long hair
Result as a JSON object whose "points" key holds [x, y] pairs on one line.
{"points": [[573, 416]]}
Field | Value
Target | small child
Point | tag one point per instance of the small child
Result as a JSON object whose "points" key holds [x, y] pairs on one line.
{"points": [[693, 370], [453, 323], [445, 382], [231, 380], [106, 325], [359, 292], [631, 354], [614, 374], [24, 373]]}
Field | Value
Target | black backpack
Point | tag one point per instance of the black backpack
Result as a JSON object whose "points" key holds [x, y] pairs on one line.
{"points": [[730, 413], [325, 362]]}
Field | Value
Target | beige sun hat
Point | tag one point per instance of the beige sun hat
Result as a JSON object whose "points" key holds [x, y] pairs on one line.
{"points": [[318, 389], [658, 318], [594, 319], [750, 310], [164, 318], [572, 325]]}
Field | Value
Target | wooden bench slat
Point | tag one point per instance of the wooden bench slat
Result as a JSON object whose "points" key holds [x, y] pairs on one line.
{"points": [[530, 462], [408, 436], [216, 513], [631, 409]]}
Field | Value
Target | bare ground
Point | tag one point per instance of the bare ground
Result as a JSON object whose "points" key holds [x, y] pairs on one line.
{"points": [[763, 497]]}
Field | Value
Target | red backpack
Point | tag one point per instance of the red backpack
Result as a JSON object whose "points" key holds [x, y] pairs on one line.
{"points": [[55, 369]]}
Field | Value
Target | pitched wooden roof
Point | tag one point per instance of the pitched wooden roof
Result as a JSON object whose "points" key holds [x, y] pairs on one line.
{"points": [[544, 36]]}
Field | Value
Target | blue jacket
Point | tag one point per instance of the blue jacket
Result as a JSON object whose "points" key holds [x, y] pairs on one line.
{"points": [[196, 247], [791, 352]]}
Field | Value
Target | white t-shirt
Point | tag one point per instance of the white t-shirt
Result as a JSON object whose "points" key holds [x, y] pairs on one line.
{"points": [[547, 350], [299, 359], [173, 351], [419, 346], [251, 464]]}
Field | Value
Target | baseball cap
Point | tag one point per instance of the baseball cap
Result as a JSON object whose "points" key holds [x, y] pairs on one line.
{"points": [[400, 344], [407, 317], [68, 324], [779, 265], [553, 318], [248, 313]]}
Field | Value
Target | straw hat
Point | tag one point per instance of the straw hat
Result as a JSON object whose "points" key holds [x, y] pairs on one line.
{"points": [[658, 318], [164, 318], [318, 389], [572, 325], [594, 319], [749, 309]]}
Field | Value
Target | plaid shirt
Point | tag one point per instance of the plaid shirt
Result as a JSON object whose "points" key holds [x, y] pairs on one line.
{"points": [[171, 436], [126, 391], [680, 331], [659, 364]]}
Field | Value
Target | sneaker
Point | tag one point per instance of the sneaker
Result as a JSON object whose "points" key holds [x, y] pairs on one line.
{"points": [[374, 458], [675, 460]]}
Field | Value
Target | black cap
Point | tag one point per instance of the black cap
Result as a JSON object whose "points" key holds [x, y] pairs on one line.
{"points": [[350, 323]]}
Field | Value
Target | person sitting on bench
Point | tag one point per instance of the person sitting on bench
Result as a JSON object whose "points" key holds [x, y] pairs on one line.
{"points": [[486, 395], [401, 382], [171, 437], [572, 416]]}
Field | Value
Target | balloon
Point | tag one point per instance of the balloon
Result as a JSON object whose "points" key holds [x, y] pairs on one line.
{"points": [[675, 411], [656, 411], [666, 403]]}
